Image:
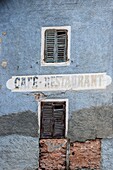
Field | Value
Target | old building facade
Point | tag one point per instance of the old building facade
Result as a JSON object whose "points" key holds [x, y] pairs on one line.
{"points": [[56, 93]]}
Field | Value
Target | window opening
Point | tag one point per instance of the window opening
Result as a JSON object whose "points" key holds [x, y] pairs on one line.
{"points": [[55, 46], [53, 116], [55, 50]]}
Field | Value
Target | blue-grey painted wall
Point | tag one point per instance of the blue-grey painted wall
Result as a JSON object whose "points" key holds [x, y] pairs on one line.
{"points": [[91, 46], [91, 24]]}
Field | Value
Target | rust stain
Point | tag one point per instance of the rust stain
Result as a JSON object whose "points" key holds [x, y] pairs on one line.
{"points": [[4, 64]]}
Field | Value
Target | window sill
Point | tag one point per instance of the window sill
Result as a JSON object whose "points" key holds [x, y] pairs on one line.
{"points": [[56, 64]]}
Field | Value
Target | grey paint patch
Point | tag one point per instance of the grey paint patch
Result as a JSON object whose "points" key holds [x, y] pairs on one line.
{"points": [[107, 154], [18, 153], [24, 123], [96, 122]]}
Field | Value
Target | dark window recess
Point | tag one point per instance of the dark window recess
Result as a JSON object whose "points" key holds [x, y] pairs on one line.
{"points": [[53, 119], [56, 46]]}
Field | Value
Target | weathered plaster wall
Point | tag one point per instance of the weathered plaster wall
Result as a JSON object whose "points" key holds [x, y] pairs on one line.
{"points": [[107, 154], [25, 123], [91, 51], [20, 47], [96, 122], [18, 153]]}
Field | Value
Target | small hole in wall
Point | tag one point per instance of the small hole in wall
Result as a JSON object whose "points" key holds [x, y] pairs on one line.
{"points": [[77, 65], [17, 67], [73, 153], [37, 62]]}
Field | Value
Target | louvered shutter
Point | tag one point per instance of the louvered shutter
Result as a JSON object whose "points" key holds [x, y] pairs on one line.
{"points": [[49, 46], [59, 120], [61, 46], [53, 120], [46, 120], [55, 46]]}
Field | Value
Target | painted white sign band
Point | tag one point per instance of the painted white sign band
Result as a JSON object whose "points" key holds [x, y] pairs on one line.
{"points": [[58, 82]]}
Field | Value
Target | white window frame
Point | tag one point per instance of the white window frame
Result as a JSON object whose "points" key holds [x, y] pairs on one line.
{"points": [[53, 100], [43, 63]]}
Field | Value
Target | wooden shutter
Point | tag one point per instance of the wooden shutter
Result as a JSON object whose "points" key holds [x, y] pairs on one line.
{"points": [[49, 46], [61, 46], [59, 120], [55, 46], [46, 120], [53, 119]]}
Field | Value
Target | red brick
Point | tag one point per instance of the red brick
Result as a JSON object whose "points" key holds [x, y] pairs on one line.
{"points": [[85, 155], [53, 154]]}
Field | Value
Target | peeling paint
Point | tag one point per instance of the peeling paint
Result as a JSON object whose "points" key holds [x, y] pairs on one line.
{"points": [[4, 64], [4, 33], [54, 146]]}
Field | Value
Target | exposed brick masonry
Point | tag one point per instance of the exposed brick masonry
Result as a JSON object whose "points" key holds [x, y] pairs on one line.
{"points": [[85, 155], [82, 154], [52, 154]]}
